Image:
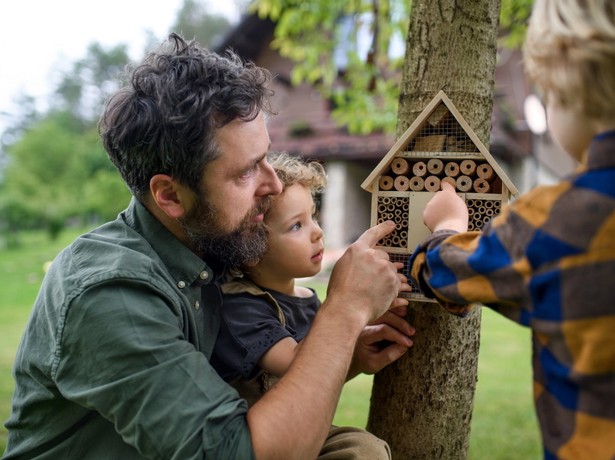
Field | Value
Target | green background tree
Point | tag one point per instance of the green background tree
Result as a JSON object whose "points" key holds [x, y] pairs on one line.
{"points": [[55, 165]]}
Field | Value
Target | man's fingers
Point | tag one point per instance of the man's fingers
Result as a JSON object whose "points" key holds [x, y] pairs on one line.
{"points": [[393, 319], [398, 310], [399, 302], [390, 334], [376, 233], [404, 284]]}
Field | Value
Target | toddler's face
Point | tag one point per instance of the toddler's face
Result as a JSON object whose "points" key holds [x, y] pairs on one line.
{"points": [[295, 238]]}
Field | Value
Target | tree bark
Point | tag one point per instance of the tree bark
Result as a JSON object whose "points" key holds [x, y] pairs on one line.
{"points": [[422, 404]]}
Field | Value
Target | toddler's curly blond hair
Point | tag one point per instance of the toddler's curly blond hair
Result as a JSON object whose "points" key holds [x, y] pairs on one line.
{"points": [[292, 169]]}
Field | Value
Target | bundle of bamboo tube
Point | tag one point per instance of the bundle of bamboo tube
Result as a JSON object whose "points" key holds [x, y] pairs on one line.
{"points": [[465, 176]]}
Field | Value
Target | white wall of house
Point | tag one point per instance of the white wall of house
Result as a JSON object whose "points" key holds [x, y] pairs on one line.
{"points": [[345, 208]]}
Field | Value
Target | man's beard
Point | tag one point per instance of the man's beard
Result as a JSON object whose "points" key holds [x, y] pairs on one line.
{"points": [[246, 243]]}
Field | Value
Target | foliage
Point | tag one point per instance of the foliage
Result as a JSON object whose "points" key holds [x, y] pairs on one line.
{"points": [[19, 121], [84, 87], [356, 40], [56, 172], [513, 21], [194, 22], [54, 167], [353, 51]]}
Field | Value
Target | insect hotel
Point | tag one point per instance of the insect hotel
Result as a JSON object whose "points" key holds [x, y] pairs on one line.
{"points": [[438, 146]]}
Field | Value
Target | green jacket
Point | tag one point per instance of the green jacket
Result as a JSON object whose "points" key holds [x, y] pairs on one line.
{"points": [[113, 363]]}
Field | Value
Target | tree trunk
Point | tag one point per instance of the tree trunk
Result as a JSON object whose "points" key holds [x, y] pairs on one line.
{"points": [[422, 404]]}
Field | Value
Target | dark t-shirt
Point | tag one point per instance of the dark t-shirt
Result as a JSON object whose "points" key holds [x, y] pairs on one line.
{"points": [[251, 325]]}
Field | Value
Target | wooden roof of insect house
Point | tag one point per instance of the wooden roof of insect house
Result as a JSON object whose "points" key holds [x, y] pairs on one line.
{"points": [[438, 146]]}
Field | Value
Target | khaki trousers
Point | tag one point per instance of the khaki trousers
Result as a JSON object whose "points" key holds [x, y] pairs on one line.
{"points": [[345, 443]]}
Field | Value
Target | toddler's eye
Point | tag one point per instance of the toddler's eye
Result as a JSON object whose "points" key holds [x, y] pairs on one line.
{"points": [[295, 227]]}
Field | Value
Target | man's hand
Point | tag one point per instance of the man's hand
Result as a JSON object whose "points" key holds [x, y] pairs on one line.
{"points": [[446, 211], [365, 280], [382, 342]]}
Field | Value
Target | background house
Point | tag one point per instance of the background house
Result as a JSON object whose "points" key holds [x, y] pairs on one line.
{"points": [[303, 126]]}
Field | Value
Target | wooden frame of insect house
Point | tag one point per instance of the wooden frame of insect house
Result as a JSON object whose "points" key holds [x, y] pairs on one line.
{"points": [[438, 146]]}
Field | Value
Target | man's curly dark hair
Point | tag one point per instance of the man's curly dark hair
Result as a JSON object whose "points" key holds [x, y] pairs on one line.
{"points": [[164, 121]]}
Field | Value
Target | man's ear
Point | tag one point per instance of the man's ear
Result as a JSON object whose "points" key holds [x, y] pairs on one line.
{"points": [[251, 263], [169, 195]]}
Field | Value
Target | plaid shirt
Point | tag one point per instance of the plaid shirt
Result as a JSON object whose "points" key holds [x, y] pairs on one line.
{"points": [[548, 262]]}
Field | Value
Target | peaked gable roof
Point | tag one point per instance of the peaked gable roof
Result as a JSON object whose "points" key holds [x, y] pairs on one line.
{"points": [[416, 128]]}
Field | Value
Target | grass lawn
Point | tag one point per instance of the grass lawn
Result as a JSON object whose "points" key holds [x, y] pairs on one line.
{"points": [[503, 423]]}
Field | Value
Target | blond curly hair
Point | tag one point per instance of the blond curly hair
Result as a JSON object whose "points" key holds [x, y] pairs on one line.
{"points": [[569, 53], [293, 169]]}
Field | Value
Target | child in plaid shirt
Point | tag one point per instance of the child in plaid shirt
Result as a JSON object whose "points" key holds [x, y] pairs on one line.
{"points": [[548, 261]]}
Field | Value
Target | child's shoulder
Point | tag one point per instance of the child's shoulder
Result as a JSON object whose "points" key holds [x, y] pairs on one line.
{"points": [[542, 197], [244, 288]]}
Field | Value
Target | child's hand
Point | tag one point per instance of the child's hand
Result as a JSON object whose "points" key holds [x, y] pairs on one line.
{"points": [[446, 211]]}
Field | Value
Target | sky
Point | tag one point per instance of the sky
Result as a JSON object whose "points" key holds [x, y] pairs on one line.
{"points": [[38, 36]]}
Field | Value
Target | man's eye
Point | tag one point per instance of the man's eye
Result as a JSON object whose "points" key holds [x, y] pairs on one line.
{"points": [[247, 174]]}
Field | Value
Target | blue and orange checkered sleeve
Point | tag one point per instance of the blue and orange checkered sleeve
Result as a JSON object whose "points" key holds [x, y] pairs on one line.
{"points": [[489, 267]]}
